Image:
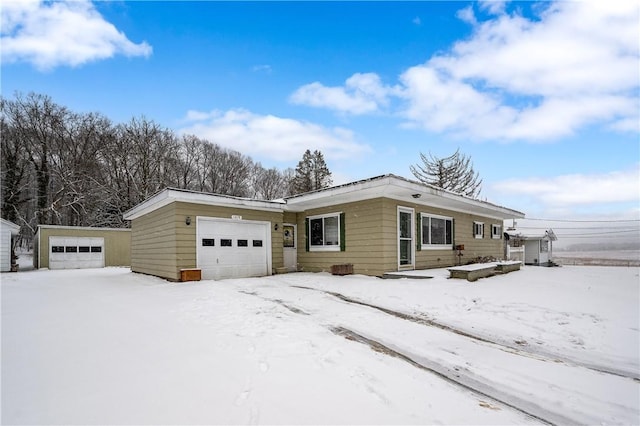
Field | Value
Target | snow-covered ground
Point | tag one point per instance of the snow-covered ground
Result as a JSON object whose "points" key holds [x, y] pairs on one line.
{"points": [[107, 346]]}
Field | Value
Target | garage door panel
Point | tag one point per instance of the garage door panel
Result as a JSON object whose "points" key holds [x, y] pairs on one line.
{"points": [[76, 252], [232, 248]]}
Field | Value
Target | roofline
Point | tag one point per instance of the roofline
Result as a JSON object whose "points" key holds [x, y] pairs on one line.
{"points": [[391, 179], [322, 196], [170, 195], [13, 227], [83, 228]]}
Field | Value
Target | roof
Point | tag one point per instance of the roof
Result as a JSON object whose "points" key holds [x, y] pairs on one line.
{"points": [[384, 186], [15, 229], [401, 189], [170, 195], [532, 234], [83, 228]]}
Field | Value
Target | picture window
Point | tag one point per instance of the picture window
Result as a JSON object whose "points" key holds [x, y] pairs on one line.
{"points": [[324, 232], [437, 231]]}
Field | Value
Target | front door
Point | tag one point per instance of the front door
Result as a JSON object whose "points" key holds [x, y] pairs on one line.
{"points": [[290, 247], [405, 238]]}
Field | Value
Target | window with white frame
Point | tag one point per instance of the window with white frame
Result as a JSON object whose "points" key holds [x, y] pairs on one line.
{"points": [[478, 230], [324, 232], [437, 231], [496, 231]]}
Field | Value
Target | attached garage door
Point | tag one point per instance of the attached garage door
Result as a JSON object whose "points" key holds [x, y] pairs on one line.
{"points": [[76, 252], [228, 248]]}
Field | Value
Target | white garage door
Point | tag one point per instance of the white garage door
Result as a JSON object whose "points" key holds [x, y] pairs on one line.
{"points": [[76, 252], [228, 248]]}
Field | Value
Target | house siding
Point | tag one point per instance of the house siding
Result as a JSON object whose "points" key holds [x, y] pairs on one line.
{"points": [[117, 243], [371, 233], [363, 233]]}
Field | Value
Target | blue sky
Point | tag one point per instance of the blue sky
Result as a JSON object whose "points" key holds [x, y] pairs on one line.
{"points": [[544, 97]]}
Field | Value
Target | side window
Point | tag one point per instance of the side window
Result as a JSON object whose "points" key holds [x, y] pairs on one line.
{"points": [[496, 232], [478, 230], [437, 231], [324, 232]]}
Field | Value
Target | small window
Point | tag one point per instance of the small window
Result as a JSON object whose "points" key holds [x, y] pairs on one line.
{"points": [[478, 230], [544, 246], [243, 243], [84, 249], [71, 249], [257, 243], [224, 242], [96, 249], [57, 249], [496, 232], [324, 232], [208, 242]]}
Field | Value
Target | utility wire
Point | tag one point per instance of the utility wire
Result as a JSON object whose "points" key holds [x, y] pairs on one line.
{"points": [[582, 221]]}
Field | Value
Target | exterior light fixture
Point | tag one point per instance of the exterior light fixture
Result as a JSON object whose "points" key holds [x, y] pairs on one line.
{"points": [[275, 227], [188, 220], [416, 195]]}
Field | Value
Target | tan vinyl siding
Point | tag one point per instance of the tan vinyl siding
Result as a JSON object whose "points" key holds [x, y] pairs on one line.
{"points": [[153, 243], [117, 243], [186, 234], [363, 233]]}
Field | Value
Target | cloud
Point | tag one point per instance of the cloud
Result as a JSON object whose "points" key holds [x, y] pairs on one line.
{"points": [[572, 65], [268, 136], [361, 94], [539, 79], [262, 68], [576, 189], [417, 21], [52, 34]]}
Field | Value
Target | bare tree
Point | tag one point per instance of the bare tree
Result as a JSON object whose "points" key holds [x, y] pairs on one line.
{"points": [[454, 173]]}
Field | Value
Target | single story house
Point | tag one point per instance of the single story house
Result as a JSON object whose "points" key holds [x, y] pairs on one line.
{"points": [[537, 245], [8, 230], [75, 247], [378, 225]]}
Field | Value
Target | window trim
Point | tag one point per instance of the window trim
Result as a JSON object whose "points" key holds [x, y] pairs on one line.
{"points": [[324, 247], [428, 246], [496, 235], [476, 235]]}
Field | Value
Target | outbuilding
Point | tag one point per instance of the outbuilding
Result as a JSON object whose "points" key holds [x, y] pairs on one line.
{"points": [[373, 226], [8, 230], [74, 247], [537, 245]]}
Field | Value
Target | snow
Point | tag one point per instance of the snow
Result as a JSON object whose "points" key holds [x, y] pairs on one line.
{"points": [[107, 346]]}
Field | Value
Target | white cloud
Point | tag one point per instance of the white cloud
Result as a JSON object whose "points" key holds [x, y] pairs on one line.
{"points": [[361, 94], [268, 136], [573, 65], [566, 191], [52, 34], [538, 79]]}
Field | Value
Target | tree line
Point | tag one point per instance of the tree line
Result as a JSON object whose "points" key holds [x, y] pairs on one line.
{"points": [[60, 167]]}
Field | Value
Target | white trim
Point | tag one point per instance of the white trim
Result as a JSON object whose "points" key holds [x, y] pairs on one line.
{"points": [[324, 247], [83, 228], [412, 246], [430, 246], [170, 195], [477, 236], [497, 236]]}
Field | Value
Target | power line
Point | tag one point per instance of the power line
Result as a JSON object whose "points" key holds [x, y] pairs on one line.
{"points": [[582, 221], [582, 227]]}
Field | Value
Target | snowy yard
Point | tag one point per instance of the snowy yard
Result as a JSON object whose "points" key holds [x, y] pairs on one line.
{"points": [[106, 346]]}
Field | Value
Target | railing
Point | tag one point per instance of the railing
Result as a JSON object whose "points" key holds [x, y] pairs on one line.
{"points": [[515, 253]]}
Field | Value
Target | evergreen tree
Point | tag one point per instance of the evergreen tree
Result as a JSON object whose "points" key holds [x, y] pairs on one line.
{"points": [[311, 173], [454, 173]]}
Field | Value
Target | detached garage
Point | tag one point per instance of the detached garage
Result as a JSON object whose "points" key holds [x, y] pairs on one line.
{"points": [[8, 230], [71, 247]]}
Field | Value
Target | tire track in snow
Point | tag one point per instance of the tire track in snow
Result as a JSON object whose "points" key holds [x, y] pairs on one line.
{"points": [[517, 350], [465, 381]]}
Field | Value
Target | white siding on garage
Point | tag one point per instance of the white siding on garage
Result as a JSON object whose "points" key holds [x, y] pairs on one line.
{"points": [[228, 248], [76, 252], [5, 249]]}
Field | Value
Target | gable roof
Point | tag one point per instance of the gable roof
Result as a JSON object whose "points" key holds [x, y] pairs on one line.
{"points": [[384, 186], [13, 228]]}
